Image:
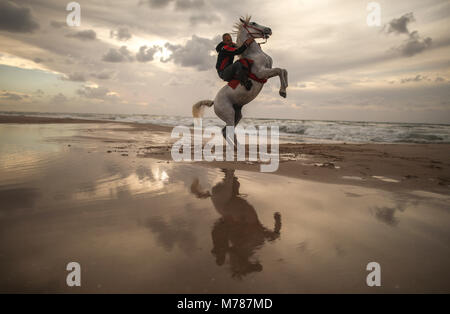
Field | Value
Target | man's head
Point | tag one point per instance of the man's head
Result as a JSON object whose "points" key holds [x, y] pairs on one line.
{"points": [[227, 40]]}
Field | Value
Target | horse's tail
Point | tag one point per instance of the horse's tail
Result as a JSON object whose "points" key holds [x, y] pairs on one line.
{"points": [[199, 107]]}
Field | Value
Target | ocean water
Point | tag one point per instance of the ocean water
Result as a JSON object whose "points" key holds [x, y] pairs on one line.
{"points": [[291, 130]]}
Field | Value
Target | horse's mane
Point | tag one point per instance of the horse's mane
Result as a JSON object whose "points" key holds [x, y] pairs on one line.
{"points": [[237, 27]]}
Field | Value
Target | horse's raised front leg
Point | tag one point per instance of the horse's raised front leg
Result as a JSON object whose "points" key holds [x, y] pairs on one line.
{"points": [[268, 73], [285, 77], [284, 82]]}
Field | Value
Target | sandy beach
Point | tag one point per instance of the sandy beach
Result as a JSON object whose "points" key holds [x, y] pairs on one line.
{"points": [[110, 197]]}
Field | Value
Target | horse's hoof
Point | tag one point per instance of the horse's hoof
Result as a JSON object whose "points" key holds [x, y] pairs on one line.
{"points": [[283, 94]]}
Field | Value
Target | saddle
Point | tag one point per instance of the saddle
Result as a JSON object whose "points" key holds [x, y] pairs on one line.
{"points": [[247, 63]]}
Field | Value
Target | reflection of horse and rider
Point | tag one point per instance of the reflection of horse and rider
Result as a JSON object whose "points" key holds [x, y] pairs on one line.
{"points": [[253, 64], [238, 232]]}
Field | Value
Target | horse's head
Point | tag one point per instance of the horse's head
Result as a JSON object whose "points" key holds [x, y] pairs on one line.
{"points": [[249, 29]]}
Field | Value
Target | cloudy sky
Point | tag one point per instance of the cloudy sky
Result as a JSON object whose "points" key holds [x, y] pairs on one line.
{"points": [[157, 57]]}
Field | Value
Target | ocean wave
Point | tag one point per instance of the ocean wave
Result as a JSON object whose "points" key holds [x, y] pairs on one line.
{"points": [[310, 131]]}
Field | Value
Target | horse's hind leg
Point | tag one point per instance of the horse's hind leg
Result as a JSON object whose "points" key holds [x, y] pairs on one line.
{"points": [[237, 113], [284, 82], [237, 117], [225, 111]]}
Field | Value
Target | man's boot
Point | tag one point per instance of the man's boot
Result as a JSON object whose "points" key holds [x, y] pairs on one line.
{"points": [[243, 78], [248, 85]]}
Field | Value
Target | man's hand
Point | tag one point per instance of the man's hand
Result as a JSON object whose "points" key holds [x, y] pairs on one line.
{"points": [[248, 41]]}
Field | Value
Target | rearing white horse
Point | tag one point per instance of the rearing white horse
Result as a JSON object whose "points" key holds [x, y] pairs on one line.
{"points": [[228, 102]]}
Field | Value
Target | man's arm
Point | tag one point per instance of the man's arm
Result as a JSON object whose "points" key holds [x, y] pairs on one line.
{"points": [[237, 51], [241, 49]]}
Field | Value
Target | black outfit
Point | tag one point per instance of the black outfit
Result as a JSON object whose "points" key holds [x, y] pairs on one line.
{"points": [[226, 69]]}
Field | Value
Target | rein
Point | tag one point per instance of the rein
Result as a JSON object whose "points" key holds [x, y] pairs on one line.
{"points": [[246, 26]]}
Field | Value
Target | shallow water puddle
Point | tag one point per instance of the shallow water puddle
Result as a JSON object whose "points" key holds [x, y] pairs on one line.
{"points": [[352, 178], [141, 225], [385, 179]]}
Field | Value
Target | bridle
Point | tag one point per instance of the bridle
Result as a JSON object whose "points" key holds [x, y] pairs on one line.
{"points": [[260, 32]]}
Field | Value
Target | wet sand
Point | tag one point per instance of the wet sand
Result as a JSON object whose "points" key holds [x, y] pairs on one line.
{"points": [[107, 196]]}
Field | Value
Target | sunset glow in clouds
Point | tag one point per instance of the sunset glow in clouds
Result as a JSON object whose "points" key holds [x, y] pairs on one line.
{"points": [[157, 57]]}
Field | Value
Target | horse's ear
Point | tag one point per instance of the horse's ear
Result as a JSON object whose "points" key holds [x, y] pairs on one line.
{"points": [[243, 22]]}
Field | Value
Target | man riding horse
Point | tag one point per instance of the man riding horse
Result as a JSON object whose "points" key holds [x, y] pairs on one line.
{"points": [[230, 99], [228, 70]]}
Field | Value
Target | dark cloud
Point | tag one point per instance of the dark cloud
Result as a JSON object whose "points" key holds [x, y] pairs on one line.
{"points": [[84, 35], [414, 44], [118, 55], [14, 18], [122, 34], [93, 92], [416, 78], [179, 4], [57, 24], [9, 96], [146, 54], [58, 99], [195, 53], [400, 25], [37, 60], [189, 4], [75, 77], [99, 92], [103, 75], [204, 18], [4, 95], [158, 3]]}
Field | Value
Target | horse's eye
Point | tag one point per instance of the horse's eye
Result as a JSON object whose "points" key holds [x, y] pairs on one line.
{"points": [[253, 23]]}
